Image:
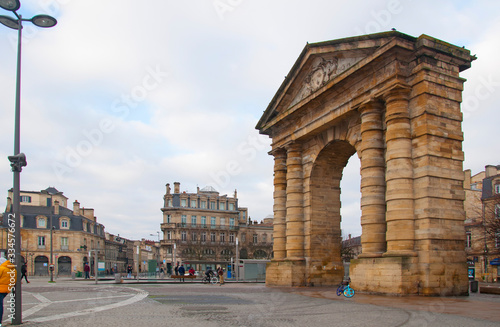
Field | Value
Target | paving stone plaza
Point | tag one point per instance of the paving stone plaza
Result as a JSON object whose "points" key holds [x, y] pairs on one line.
{"points": [[82, 303]]}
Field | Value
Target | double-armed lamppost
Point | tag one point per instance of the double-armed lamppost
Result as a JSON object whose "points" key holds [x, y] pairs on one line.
{"points": [[18, 160]]}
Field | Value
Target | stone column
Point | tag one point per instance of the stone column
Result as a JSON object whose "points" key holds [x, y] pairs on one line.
{"points": [[400, 234], [294, 203], [372, 181], [279, 224]]}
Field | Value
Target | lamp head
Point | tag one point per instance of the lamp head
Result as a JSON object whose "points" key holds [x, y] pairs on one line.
{"points": [[9, 22], [10, 5], [44, 21]]}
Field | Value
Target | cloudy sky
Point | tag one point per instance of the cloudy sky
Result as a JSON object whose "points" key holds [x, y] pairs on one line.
{"points": [[122, 97]]}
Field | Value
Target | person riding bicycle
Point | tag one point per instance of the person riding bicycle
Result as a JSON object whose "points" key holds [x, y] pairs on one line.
{"points": [[209, 273]]}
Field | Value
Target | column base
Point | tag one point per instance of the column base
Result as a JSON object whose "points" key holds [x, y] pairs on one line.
{"points": [[385, 275], [286, 272]]}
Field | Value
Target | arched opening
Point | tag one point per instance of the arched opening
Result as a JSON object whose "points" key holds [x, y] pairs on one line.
{"points": [[41, 266], [324, 247], [64, 266], [350, 212]]}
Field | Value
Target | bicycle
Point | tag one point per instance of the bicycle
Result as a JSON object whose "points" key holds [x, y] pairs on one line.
{"points": [[210, 279], [346, 290]]}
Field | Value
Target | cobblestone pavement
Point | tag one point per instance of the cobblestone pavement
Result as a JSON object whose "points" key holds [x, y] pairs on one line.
{"points": [[81, 303]]}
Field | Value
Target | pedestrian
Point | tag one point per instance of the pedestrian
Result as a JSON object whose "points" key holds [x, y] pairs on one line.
{"points": [[182, 271], [129, 271], [8, 273], [191, 271], [220, 272], [24, 272], [176, 269], [86, 269]]}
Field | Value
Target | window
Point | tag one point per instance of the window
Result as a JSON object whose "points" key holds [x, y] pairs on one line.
{"points": [[231, 237], [169, 250], [169, 235], [243, 237], [41, 223], [223, 237], [212, 205], [223, 221], [41, 242], [255, 238], [468, 239], [183, 235], [231, 223], [25, 198], [203, 204], [169, 203], [212, 237], [203, 221], [183, 220], [183, 203], [169, 219], [64, 243], [212, 222], [64, 224], [497, 188], [194, 237], [264, 238], [193, 221], [193, 203], [231, 206], [204, 236], [222, 206]]}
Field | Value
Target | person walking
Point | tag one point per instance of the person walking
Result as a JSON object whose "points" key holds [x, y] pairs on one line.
{"points": [[24, 272], [220, 272], [86, 269], [182, 271], [7, 274]]}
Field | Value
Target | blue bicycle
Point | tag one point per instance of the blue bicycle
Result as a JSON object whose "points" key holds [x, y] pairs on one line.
{"points": [[345, 289]]}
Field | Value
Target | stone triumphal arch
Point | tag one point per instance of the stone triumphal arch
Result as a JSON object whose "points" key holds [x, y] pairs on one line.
{"points": [[394, 101]]}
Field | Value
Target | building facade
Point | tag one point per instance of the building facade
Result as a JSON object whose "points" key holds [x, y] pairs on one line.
{"points": [[49, 228], [202, 229], [482, 225]]}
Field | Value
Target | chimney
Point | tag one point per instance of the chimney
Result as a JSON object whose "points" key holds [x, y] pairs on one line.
{"points": [[168, 188], [76, 208], [197, 189], [56, 207], [490, 170], [235, 194], [9, 204], [177, 188]]}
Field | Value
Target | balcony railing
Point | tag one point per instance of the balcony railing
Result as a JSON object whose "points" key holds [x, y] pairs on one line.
{"points": [[199, 226]]}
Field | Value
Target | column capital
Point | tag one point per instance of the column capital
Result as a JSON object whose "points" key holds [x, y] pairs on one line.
{"points": [[294, 146], [278, 152], [370, 106], [399, 92]]}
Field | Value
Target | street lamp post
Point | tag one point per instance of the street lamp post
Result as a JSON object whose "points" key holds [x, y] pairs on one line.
{"points": [[18, 160]]}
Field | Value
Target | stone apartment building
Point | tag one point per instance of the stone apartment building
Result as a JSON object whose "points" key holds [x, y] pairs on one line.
{"points": [[201, 229], [46, 220], [74, 233], [482, 224]]}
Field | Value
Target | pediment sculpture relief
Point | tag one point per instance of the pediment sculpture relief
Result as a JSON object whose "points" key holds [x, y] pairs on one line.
{"points": [[322, 71]]}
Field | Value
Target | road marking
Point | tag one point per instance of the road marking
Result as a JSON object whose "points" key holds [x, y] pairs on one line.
{"points": [[138, 297]]}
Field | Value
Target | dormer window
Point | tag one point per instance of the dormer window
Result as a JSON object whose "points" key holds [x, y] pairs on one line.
{"points": [[64, 223], [497, 188], [41, 222]]}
